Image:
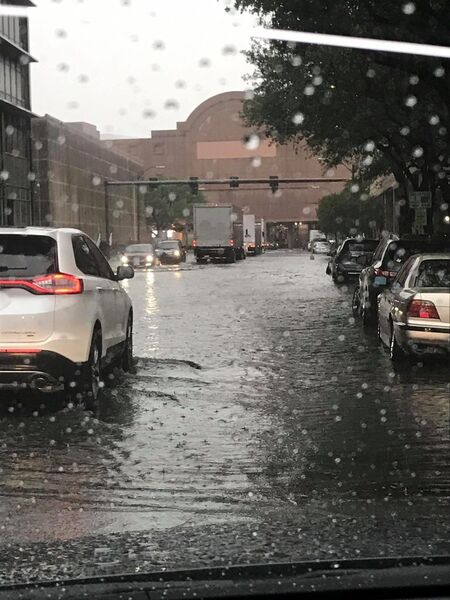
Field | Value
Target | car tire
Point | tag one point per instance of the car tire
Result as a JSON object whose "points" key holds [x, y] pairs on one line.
{"points": [[380, 341], [366, 315], [92, 380], [127, 356], [356, 303], [396, 353], [232, 257]]}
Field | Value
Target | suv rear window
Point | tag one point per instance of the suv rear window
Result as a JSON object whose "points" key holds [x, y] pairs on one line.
{"points": [[27, 255], [399, 251]]}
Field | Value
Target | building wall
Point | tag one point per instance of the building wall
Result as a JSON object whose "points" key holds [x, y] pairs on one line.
{"points": [[15, 115], [210, 144], [71, 167]]}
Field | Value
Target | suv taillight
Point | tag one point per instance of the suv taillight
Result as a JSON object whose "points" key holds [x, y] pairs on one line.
{"points": [[58, 284], [422, 309]]}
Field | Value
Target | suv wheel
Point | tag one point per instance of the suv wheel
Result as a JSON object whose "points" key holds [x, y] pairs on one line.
{"points": [[92, 382], [127, 357]]}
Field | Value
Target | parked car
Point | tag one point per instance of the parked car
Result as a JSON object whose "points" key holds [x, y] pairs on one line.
{"points": [[171, 251], [414, 312], [140, 256], [321, 247], [387, 261], [350, 259], [63, 314]]}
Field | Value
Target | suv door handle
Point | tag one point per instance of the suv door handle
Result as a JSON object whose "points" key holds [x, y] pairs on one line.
{"points": [[100, 289]]}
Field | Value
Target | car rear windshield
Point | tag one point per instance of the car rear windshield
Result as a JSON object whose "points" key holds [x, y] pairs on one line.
{"points": [[399, 251], [139, 248], [27, 255], [363, 246], [169, 245], [434, 274]]}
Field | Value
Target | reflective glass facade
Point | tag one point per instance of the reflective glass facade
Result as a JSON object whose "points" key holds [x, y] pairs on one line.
{"points": [[15, 123]]}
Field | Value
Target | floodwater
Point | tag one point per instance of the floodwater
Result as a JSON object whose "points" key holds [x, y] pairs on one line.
{"points": [[262, 424]]}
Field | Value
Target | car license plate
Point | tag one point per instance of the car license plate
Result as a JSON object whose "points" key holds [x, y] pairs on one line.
{"points": [[136, 261], [380, 280]]}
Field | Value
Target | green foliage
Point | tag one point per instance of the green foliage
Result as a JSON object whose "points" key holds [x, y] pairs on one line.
{"points": [[348, 213], [169, 205], [376, 112]]}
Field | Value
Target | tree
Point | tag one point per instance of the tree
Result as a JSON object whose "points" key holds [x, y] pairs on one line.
{"points": [[376, 112], [347, 214], [168, 206]]}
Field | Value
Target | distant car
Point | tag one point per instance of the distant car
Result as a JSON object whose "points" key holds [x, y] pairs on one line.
{"points": [[312, 242], [63, 314], [321, 247], [414, 312], [350, 259], [387, 261], [139, 256], [171, 251]]}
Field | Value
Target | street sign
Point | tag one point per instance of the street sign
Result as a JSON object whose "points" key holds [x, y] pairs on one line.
{"points": [[420, 220], [421, 216], [420, 200]]}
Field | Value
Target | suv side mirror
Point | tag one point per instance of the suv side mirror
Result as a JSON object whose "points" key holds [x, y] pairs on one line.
{"points": [[124, 272]]}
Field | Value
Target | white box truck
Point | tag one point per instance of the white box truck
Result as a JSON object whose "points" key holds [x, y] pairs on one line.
{"points": [[249, 226], [315, 236], [218, 233], [252, 234]]}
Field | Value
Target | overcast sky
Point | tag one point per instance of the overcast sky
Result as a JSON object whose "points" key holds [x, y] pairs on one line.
{"points": [[130, 66]]}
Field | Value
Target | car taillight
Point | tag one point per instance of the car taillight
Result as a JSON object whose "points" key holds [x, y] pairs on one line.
{"points": [[422, 309], [20, 350], [56, 284], [231, 242], [382, 273]]}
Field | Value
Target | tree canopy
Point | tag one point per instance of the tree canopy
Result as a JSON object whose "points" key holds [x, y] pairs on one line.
{"points": [[378, 112], [168, 206], [346, 214]]}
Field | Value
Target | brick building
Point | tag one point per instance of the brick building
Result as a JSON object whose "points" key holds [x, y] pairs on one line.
{"points": [[214, 143], [71, 165]]}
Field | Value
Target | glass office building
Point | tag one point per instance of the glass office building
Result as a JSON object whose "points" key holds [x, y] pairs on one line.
{"points": [[16, 178]]}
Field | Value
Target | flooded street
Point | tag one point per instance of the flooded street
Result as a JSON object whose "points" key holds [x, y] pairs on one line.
{"points": [[262, 424]]}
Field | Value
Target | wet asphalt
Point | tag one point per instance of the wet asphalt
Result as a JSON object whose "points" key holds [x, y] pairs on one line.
{"points": [[262, 424]]}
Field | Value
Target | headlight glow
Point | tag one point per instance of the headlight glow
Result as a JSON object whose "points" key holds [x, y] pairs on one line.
{"points": [[124, 259], [176, 253], [149, 258]]}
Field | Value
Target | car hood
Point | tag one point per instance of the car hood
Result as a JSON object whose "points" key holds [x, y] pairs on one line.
{"points": [[418, 574]]}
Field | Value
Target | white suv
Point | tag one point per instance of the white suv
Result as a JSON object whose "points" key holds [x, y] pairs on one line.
{"points": [[64, 316]]}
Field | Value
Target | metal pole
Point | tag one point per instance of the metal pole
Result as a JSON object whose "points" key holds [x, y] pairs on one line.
{"points": [[107, 232], [136, 214]]}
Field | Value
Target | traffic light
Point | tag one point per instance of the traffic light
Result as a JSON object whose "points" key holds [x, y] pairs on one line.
{"points": [[274, 183], [193, 184], [234, 182]]}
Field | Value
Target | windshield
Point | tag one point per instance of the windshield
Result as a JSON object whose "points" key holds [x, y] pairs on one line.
{"points": [[215, 197], [398, 252], [434, 274], [139, 248]]}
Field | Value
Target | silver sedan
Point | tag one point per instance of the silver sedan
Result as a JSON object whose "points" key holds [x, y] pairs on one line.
{"points": [[414, 312]]}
